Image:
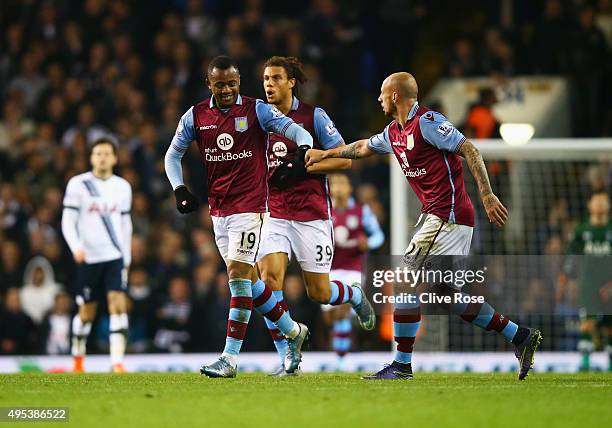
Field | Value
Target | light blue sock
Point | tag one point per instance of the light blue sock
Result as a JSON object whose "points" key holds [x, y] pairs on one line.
{"points": [[241, 304], [341, 342]]}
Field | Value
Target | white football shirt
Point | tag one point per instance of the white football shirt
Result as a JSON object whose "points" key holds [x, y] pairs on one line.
{"points": [[96, 217]]}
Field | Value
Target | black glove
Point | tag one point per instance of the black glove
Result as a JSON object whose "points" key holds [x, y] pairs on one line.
{"points": [[300, 161], [290, 170], [186, 202]]}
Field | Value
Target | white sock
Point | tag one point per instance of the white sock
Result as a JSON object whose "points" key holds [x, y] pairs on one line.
{"points": [[80, 331], [118, 337]]}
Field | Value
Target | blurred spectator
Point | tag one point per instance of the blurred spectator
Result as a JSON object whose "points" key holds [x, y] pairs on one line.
{"points": [[56, 327], [463, 62], [12, 216], [173, 318], [39, 290], [86, 126], [201, 28], [14, 126], [142, 312], [203, 246], [29, 83], [548, 32], [497, 56], [210, 318], [141, 216], [170, 258], [204, 280], [10, 267], [585, 59], [481, 121], [17, 332]]}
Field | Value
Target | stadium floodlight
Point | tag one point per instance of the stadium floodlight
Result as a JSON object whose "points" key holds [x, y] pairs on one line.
{"points": [[516, 134]]}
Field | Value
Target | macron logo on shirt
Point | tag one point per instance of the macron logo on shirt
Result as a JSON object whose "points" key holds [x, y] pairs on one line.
{"points": [[207, 127]]}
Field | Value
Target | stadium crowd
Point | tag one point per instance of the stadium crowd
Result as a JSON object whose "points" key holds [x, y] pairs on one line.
{"points": [[72, 71]]}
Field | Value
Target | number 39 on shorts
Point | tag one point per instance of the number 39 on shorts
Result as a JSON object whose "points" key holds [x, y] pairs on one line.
{"points": [[324, 252]]}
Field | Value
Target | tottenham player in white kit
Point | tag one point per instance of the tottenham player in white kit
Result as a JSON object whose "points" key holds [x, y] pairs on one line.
{"points": [[97, 226], [429, 149]]}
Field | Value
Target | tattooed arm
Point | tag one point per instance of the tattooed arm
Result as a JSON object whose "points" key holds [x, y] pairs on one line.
{"points": [[357, 150], [329, 166], [496, 212]]}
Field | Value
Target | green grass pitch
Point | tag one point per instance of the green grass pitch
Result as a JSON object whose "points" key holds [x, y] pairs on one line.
{"points": [[331, 400]]}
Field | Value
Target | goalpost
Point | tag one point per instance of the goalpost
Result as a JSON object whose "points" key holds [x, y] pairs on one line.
{"points": [[545, 185]]}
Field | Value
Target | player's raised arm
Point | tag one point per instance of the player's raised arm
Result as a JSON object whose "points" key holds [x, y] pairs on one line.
{"points": [[329, 138], [70, 216], [186, 202], [496, 211], [376, 144]]}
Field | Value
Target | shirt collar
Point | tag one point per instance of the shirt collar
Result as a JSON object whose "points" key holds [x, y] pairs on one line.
{"points": [[295, 104], [213, 103], [413, 110]]}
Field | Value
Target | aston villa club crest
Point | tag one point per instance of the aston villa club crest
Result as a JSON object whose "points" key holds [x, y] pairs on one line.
{"points": [[241, 124]]}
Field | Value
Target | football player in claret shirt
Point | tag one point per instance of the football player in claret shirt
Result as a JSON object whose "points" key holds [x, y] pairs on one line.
{"points": [[232, 131], [356, 230], [429, 149], [300, 206]]}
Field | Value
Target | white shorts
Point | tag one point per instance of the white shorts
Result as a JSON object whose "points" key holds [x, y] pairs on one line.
{"points": [[312, 242], [238, 236], [346, 276], [437, 237]]}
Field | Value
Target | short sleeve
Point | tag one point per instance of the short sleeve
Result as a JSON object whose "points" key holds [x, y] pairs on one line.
{"points": [[185, 132], [327, 134], [271, 119], [439, 132], [72, 197], [380, 143]]}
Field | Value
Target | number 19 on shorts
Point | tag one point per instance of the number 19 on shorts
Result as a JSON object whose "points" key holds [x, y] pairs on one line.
{"points": [[248, 240]]}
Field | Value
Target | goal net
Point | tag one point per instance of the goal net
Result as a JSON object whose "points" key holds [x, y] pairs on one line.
{"points": [[545, 185]]}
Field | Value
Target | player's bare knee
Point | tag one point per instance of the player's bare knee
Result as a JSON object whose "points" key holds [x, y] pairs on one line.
{"points": [[117, 302], [272, 278], [239, 270], [87, 312]]}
